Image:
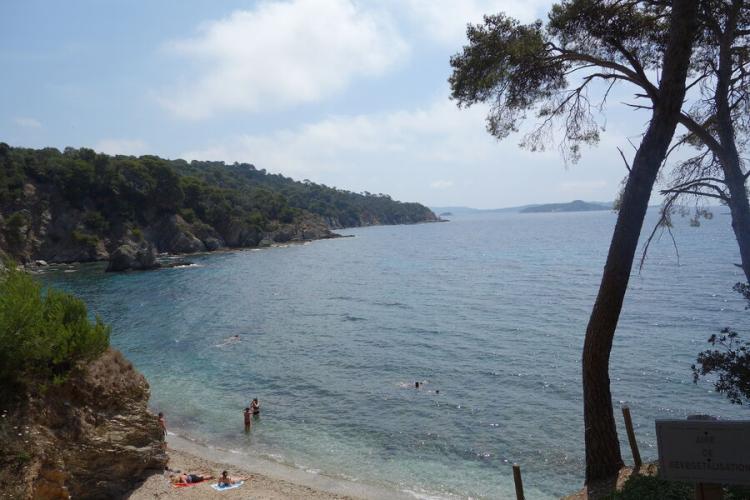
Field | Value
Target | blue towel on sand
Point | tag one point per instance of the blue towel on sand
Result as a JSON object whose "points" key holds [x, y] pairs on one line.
{"points": [[230, 487]]}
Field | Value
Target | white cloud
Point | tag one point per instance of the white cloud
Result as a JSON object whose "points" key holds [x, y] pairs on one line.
{"points": [[413, 155], [280, 54], [134, 147], [439, 134], [441, 184], [27, 122], [445, 20]]}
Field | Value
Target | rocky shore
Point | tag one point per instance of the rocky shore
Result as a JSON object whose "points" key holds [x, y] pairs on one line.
{"points": [[89, 437], [54, 232]]}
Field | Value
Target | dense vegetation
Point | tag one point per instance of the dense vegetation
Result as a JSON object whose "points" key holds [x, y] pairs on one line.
{"points": [[43, 333], [130, 192], [341, 208]]}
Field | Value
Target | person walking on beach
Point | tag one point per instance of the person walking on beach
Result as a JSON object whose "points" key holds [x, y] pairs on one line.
{"points": [[255, 407], [248, 423], [163, 427]]}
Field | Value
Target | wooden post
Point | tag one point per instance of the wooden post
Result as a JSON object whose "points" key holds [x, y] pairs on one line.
{"points": [[631, 438], [518, 481]]}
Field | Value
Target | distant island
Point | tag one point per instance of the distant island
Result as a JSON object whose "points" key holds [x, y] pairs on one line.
{"points": [[573, 206], [78, 205]]}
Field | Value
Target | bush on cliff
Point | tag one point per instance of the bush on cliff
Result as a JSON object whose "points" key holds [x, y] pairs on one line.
{"points": [[43, 333]]}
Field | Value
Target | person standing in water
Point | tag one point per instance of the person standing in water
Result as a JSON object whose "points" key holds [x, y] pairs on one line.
{"points": [[255, 407], [248, 423]]}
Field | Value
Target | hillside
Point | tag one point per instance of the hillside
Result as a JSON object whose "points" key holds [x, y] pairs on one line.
{"points": [[79, 205]]}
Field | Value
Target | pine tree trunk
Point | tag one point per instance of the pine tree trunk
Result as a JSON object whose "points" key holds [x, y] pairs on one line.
{"points": [[603, 459], [740, 209], [729, 156]]}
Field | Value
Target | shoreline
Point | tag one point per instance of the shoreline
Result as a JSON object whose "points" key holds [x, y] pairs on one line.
{"points": [[33, 266], [267, 479]]}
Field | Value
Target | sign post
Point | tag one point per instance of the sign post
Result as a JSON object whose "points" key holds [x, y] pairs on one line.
{"points": [[707, 452]]}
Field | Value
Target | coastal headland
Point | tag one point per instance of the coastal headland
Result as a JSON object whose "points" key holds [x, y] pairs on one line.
{"points": [[82, 206]]}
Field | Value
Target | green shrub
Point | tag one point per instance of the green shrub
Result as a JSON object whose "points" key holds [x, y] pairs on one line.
{"points": [[188, 214], [96, 221], [85, 238], [736, 493], [653, 488], [14, 228], [43, 333], [23, 457]]}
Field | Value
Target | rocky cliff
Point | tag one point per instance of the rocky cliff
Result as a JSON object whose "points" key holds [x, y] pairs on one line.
{"points": [[90, 437], [48, 228]]}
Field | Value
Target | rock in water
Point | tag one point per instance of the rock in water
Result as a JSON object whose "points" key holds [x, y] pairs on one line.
{"points": [[90, 437], [133, 256]]}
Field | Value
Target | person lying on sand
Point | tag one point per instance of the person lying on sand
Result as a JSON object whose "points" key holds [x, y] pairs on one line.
{"points": [[227, 480], [183, 478]]}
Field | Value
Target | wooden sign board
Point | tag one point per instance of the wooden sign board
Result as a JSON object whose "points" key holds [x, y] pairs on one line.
{"points": [[704, 451]]}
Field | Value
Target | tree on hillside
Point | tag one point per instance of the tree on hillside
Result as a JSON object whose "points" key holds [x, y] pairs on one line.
{"points": [[519, 68]]}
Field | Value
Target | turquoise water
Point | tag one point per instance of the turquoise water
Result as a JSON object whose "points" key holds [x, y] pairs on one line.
{"points": [[488, 310]]}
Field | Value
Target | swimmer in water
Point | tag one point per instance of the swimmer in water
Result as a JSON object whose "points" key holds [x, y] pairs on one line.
{"points": [[416, 385], [230, 340], [255, 407]]}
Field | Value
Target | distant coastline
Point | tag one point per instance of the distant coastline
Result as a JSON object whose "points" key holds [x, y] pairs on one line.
{"points": [[572, 206]]}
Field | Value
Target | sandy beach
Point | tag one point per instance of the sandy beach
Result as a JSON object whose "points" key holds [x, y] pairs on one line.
{"points": [[257, 486], [267, 480]]}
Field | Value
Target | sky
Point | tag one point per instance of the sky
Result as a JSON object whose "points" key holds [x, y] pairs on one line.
{"points": [[348, 93]]}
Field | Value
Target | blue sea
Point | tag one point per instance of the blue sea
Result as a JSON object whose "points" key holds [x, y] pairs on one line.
{"points": [[487, 312]]}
